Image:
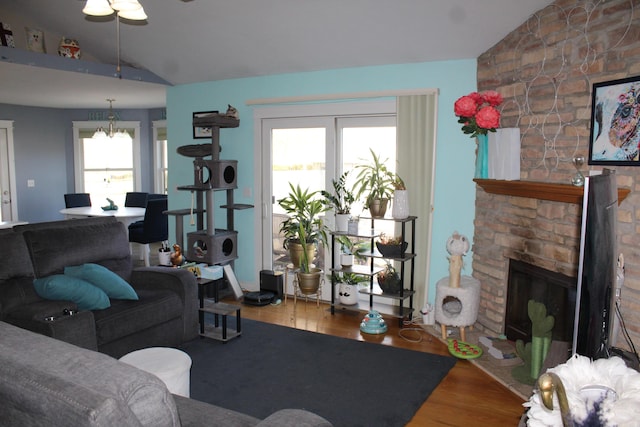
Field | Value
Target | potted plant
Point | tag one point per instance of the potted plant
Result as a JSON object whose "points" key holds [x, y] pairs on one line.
{"points": [[348, 290], [308, 277], [389, 280], [400, 208], [340, 201], [350, 250], [391, 247], [375, 182], [304, 209]]}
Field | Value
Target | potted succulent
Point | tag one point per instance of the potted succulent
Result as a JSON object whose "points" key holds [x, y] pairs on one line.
{"points": [[340, 201], [304, 209], [375, 182], [389, 280], [391, 247]]}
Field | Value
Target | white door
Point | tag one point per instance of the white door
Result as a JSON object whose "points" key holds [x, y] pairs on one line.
{"points": [[8, 205]]}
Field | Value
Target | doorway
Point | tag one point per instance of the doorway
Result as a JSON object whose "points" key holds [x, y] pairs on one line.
{"points": [[8, 202]]}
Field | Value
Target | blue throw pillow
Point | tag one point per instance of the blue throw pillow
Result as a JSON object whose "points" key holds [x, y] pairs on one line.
{"points": [[67, 288], [101, 277]]}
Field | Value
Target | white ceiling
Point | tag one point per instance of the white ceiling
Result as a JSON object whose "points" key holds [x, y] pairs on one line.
{"points": [[204, 40]]}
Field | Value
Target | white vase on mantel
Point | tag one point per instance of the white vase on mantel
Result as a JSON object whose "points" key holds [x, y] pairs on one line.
{"points": [[400, 208]]}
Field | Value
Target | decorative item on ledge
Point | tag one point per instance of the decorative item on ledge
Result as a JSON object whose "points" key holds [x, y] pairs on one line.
{"points": [[504, 154], [540, 190], [482, 156]]}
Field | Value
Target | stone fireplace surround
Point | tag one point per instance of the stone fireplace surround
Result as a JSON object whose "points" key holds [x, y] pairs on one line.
{"points": [[534, 222]]}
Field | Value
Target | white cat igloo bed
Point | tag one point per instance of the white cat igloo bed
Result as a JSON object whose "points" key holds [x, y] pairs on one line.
{"points": [[457, 306]]}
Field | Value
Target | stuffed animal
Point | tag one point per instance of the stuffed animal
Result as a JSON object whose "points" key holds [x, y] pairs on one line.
{"points": [[177, 258], [457, 246]]}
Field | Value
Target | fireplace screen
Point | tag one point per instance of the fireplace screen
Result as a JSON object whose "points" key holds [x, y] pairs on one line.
{"points": [[556, 291]]}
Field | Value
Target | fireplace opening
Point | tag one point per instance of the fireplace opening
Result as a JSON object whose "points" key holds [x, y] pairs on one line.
{"points": [[556, 291]]}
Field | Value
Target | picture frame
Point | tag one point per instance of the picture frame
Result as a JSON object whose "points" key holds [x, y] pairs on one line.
{"points": [[615, 114], [202, 132]]}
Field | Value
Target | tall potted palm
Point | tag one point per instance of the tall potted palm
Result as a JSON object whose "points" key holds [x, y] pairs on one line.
{"points": [[308, 277], [340, 201], [375, 182], [304, 209]]}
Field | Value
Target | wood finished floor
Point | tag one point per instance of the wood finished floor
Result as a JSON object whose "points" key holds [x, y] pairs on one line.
{"points": [[466, 396]]}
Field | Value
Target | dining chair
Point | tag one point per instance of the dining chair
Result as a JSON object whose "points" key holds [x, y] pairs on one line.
{"points": [[136, 199], [153, 228], [152, 196], [76, 200]]}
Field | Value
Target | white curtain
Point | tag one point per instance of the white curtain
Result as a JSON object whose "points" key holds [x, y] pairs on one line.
{"points": [[416, 143]]}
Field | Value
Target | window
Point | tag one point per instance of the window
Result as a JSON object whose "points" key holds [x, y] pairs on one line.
{"points": [[106, 167]]}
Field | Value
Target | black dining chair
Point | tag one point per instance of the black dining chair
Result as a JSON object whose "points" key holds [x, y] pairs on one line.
{"points": [[136, 199], [153, 228], [77, 200]]}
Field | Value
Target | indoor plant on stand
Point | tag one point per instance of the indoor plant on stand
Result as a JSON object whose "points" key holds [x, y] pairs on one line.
{"points": [[478, 115], [304, 209], [375, 182], [348, 286], [308, 276], [340, 201]]}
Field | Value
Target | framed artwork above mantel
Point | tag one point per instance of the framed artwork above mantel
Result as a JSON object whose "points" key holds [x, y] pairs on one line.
{"points": [[615, 123]]}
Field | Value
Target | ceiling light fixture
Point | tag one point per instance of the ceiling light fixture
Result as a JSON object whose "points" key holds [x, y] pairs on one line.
{"points": [[127, 9], [111, 131]]}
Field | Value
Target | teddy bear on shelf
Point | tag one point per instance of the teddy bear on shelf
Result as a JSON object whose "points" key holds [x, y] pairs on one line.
{"points": [[457, 246]]}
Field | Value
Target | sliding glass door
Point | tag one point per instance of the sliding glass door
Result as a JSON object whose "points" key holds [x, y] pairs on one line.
{"points": [[310, 152]]}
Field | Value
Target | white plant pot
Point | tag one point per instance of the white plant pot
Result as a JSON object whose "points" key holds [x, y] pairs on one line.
{"points": [[348, 294], [342, 222], [400, 208], [346, 260]]}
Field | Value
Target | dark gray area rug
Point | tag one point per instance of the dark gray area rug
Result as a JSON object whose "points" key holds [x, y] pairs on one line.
{"points": [[348, 382]]}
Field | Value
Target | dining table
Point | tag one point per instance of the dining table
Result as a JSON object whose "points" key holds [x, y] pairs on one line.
{"points": [[124, 214]]}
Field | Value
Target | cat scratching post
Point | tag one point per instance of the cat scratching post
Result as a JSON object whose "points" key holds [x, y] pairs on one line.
{"points": [[455, 266]]}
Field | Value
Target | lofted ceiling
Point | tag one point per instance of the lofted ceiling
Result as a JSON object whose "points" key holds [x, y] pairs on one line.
{"points": [[187, 41]]}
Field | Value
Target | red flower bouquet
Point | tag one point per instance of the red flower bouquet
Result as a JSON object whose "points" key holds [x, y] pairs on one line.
{"points": [[477, 112]]}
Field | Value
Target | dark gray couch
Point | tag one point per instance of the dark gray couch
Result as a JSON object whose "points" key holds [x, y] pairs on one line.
{"points": [[47, 382], [165, 314]]}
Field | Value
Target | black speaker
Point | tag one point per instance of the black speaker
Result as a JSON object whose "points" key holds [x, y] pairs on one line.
{"points": [[271, 282]]}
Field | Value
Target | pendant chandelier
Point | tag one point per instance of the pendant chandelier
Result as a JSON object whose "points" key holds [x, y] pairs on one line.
{"points": [[111, 131]]}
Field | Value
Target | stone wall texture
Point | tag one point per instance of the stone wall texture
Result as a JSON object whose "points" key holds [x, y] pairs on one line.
{"points": [[545, 70]]}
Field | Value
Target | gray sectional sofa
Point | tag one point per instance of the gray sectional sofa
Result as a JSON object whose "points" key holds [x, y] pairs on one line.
{"points": [[165, 313], [47, 382], [76, 378]]}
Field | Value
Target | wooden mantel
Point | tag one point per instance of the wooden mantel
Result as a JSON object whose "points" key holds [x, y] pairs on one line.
{"points": [[540, 190]]}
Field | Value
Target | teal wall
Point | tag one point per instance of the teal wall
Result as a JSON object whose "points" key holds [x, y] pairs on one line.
{"points": [[454, 189]]}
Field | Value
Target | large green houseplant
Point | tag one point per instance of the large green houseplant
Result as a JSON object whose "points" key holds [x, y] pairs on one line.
{"points": [[375, 182], [304, 228], [308, 277]]}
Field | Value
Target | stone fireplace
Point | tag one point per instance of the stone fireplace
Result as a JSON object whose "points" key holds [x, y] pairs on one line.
{"points": [[556, 291], [532, 222]]}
